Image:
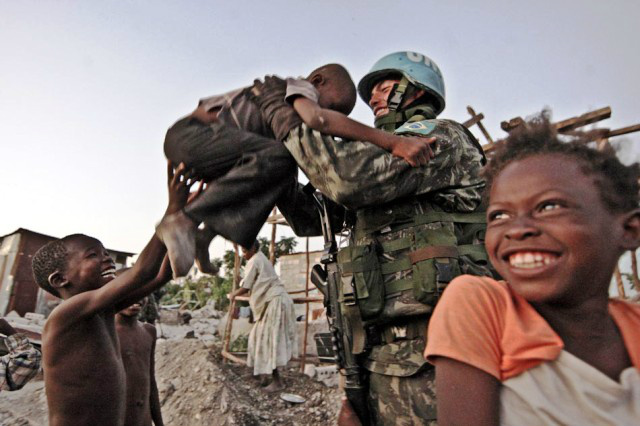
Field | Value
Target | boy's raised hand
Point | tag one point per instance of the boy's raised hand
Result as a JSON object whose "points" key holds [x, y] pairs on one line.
{"points": [[179, 182], [414, 150]]}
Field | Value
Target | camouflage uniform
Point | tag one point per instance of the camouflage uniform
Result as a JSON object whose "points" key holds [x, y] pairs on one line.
{"points": [[367, 179], [400, 209]]}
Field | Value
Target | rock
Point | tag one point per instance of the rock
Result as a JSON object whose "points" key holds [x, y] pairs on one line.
{"points": [[185, 317], [176, 383], [310, 370]]}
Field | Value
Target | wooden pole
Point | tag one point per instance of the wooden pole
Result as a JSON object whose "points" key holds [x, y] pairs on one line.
{"points": [[232, 305], [306, 315], [272, 245], [619, 283], [634, 270], [480, 125]]}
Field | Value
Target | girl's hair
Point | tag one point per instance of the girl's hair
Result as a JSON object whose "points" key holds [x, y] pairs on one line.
{"points": [[617, 183]]}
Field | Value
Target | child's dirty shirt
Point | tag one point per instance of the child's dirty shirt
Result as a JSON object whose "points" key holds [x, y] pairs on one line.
{"points": [[481, 322]]}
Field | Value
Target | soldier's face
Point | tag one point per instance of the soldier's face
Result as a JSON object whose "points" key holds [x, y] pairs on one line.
{"points": [[380, 96], [380, 93]]}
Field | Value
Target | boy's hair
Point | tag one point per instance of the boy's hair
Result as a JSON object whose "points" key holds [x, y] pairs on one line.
{"points": [[617, 183], [340, 79], [50, 258]]}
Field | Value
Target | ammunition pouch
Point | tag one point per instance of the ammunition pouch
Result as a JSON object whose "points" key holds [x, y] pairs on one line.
{"points": [[405, 276], [360, 272]]}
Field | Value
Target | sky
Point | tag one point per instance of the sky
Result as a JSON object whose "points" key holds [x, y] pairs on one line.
{"points": [[88, 89]]}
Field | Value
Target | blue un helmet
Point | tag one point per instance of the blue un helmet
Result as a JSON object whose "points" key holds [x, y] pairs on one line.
{"points": [[416, 68]]}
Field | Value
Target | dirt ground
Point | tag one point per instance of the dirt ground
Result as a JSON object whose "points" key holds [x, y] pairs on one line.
{"points": [[198, 388]]}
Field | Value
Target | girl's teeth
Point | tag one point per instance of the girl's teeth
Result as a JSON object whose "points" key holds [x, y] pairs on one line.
{"points": [[529, 260]]}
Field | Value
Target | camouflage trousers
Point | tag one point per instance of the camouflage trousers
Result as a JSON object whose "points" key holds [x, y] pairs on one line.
{"points": [[403, 401]]}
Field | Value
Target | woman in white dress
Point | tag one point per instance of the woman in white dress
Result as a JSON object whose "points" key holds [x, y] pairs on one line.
{"points": [[273, 338]]}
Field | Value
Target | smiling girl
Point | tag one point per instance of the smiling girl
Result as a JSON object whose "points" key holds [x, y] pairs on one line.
{"points": [[546, 346]]}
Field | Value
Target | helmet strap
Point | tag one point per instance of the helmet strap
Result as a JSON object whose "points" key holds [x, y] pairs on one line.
{"points": [[394, 119], [397, 94]]}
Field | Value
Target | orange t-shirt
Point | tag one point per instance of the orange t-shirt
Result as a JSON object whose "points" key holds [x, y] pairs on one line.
{"points": [[483, 323]]}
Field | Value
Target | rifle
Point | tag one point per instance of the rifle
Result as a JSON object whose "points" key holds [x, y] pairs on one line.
{"points": [[328, 281]]}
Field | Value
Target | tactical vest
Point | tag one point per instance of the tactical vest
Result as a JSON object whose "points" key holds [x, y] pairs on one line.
{"points": [[404, 253], [402, 260]]}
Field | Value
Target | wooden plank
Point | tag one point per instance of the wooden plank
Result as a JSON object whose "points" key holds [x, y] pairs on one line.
{"points": [[619, 283], [228, 355], [272, 244], [473, 120], [277, 219], [624, 130], [232, 305], [582, 120], [481, 126], [634, 270], [508, 126], [297, 300], [306, 315]]}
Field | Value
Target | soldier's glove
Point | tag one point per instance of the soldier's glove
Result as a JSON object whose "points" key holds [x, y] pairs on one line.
{"points": [[276, 112]]}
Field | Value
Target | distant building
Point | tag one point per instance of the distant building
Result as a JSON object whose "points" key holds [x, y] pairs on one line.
{"points": [[293, 274], [18, 290]]}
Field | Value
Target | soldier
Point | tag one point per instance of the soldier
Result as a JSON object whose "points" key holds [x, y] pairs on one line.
{"points": [[413, 229]]}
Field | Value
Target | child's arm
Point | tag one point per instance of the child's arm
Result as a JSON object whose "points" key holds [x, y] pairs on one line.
{"points": [[144, 270], [154, 397], [415, 150], [163, 277], [466, 395]]}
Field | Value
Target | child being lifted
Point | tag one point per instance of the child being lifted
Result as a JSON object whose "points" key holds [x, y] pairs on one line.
{"points": [[546, 346], [228, 142], [83, 370]]}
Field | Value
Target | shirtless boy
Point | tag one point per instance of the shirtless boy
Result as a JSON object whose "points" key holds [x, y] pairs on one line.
{"points": [[83, 371], [229, 143], [137, 346]]}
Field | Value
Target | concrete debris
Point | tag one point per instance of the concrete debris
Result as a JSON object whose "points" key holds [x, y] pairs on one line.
{"points": [[328, 375], [197, 387]]}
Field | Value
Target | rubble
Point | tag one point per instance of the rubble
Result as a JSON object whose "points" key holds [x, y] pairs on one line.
{"points": [[328, 375], [197, 387]]}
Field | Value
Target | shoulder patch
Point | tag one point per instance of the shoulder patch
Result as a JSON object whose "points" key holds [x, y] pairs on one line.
{"points": [[420, 128]]}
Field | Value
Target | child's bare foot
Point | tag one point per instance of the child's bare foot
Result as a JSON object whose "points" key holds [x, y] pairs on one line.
{"points": [[203, 240], [178, 233], [264, 380], [275, 386]]}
